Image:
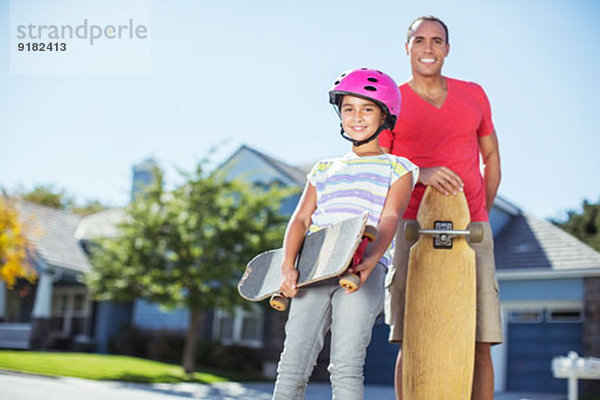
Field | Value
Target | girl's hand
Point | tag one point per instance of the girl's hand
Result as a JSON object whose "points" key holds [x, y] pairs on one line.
{"points": [[289, 279], [363, 269]]}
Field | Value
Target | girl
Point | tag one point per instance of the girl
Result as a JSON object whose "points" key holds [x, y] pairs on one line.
{"points": [[367, 102]]}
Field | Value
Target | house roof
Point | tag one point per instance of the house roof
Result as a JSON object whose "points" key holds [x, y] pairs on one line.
{"points": [[506, 206], [530, 244], [295, 174], [52, 233], [103, 224]]}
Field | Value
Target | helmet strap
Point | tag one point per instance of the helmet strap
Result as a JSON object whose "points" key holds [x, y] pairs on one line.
{"points": [[364, 141]]}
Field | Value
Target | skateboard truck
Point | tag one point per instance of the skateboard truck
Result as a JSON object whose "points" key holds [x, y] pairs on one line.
{"points": [[443, 233], [348, 281]]}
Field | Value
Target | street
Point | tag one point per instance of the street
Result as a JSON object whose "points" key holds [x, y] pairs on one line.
{"points": [[32, 387], [17, 386]]}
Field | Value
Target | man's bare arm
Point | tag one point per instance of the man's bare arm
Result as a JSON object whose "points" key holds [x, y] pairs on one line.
{"points": [[490, 155]]}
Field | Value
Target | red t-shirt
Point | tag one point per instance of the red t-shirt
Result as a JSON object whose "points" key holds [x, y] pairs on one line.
{"points": [[447, 136]]}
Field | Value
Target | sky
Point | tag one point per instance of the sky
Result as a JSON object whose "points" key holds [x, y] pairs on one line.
{"points": [[230, 72]]}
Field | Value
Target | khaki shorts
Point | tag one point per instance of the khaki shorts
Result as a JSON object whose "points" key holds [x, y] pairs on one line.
{"points": [[489, 327]]}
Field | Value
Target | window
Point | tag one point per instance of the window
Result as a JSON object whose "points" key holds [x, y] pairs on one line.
{"points": [[70, 310], [19, 302], [244, 327], [559, 314], [225, 328], [565, 315], [526, 316]]}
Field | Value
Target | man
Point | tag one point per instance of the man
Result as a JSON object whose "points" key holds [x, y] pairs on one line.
{"points": [[444, 127]]}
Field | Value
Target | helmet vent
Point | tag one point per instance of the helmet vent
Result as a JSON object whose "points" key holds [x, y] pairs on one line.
{"points": [[372, 79], [371, 88], [343, 75], [336, 83]]}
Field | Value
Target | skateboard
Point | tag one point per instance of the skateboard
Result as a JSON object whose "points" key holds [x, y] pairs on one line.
{"points": [[325, 254], [438, 349]]}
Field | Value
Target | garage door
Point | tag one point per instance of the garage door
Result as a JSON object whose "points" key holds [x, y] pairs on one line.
{"points": [[534, 338]]}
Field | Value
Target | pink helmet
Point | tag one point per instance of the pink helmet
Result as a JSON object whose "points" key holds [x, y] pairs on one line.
{"points": [[370, 84]]}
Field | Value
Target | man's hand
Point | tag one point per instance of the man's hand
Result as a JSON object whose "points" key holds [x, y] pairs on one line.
{"points": [[441, 178], [288, 283]]}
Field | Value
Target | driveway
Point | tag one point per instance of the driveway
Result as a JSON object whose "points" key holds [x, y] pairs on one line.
{"points": [[34, 387]]}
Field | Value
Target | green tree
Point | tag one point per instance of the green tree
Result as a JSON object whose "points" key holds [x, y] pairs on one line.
{"points": [[90, 207], [584, 224], [188, 247], [48, 195]]}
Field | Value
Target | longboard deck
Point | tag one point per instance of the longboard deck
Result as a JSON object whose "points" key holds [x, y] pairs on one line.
{"points": [[438, 349], [324, 254]]}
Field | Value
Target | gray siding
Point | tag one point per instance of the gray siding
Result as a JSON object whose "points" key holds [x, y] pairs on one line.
{"points": [[548, 289]]}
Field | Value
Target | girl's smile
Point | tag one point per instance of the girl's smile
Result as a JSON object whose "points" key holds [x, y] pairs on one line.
{"points": [[360, 117]]}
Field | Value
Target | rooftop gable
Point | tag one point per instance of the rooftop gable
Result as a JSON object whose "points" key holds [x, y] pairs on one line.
{"points": [[52, 233], [529, 243], [254, 166]]}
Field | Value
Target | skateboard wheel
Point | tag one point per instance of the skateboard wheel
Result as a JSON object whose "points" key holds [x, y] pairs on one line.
{"points": [[279, 302], [411, 231], [370, 233], [350, 282], [475, 233]]}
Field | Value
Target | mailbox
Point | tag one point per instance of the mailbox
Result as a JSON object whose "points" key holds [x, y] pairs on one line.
{"points": [[573, 367]]}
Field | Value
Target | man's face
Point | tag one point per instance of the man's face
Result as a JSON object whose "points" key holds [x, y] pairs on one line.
{"points": [[428, 48]]}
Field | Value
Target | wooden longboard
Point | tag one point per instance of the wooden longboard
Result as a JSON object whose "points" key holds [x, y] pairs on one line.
{"points": [[438, 348], [324, 254]]}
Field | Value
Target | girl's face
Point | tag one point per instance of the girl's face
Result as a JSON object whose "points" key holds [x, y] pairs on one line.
{"points": [[360, 117]]}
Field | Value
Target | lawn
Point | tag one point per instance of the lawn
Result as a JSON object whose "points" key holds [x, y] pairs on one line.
{"points": [[100, 367]]}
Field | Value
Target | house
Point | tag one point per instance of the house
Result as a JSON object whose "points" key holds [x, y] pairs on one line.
{"points": [[550, 297], [55, 311], [549, 285]]}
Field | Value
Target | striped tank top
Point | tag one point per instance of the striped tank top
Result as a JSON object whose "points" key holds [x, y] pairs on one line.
{"points": [[350, 185]]}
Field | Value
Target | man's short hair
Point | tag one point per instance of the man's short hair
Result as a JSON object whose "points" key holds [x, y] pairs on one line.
{"points": [[411, 28]]}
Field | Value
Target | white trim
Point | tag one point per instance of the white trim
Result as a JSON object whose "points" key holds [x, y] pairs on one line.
{"points": [[237, 320], [517, 275], [504, 205], [511, 305], [42, 305]]}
